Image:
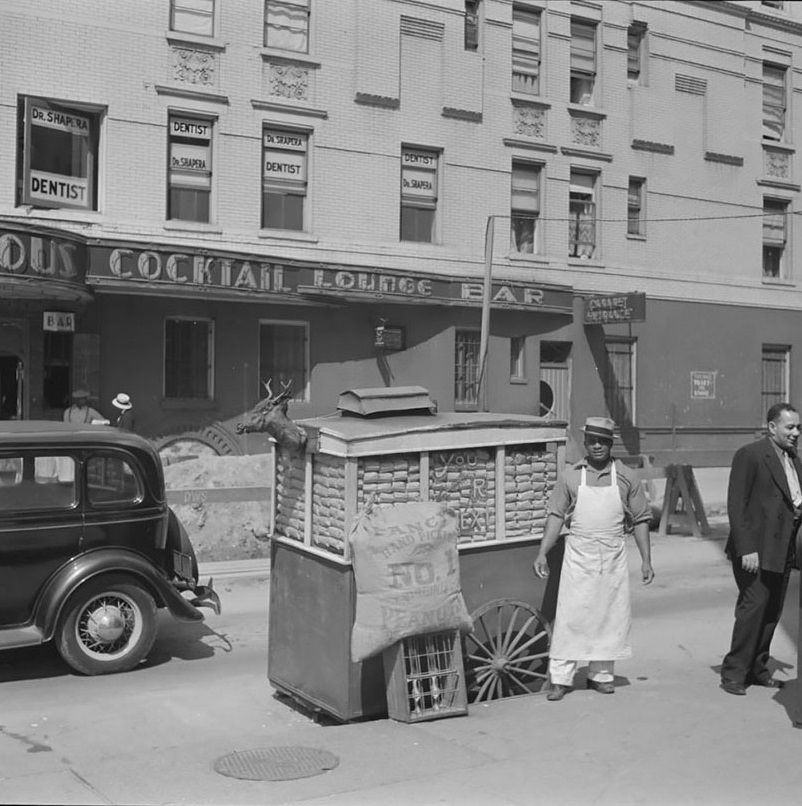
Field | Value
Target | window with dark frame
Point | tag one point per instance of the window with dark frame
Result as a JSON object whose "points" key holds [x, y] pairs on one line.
{"points": [[284, 178], [775, 237], [192, 17], [775, 375], [287, 25], [190, 169], [582, 215], [619, 380], [583, 62], [188, 358], [525, 50], [518, 358], [283, 348], [58, 154], [418, 194], [635, 219], [472, 24], [774, 102], [466, 368], [525, 206], [636, 36]]}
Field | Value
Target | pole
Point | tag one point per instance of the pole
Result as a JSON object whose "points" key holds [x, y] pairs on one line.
{"points": [[484, 338]]}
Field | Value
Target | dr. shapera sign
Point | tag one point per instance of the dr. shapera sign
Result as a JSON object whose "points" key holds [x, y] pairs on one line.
{"points": [[615, 309]]}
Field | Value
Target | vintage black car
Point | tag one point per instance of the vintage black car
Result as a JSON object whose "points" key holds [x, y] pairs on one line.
{"points": [[89, 549]]}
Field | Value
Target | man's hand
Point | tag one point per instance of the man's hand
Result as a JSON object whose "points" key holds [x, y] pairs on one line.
{"points": [[541, 566], [646, 572], [750, 562]]}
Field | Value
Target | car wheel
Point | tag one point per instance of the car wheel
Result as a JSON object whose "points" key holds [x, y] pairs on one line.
{"points": [[108, 626]]}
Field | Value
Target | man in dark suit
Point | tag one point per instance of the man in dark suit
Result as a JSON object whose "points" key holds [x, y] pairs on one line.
{"points": [[764, 504]]}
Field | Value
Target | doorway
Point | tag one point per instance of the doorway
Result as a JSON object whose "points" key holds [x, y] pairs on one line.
{"points": [[555, 379], [10, 387]]}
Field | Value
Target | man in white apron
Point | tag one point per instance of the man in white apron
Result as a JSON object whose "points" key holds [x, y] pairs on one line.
{"points": [[597, 496]]}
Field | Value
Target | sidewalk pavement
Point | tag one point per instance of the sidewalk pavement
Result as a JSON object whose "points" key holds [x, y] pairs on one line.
{"points": [[668, 735]]}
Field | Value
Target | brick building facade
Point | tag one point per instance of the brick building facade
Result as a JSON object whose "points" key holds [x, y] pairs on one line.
{"points": [[199, 195]]}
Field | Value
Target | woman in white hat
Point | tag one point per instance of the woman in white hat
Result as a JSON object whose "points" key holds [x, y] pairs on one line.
{"points": [[125, 420]]}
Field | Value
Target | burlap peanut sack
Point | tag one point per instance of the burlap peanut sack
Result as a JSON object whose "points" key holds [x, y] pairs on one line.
{"points": [[406, 569]]}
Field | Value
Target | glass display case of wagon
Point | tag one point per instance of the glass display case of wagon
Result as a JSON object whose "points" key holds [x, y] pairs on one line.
{"points": [[390, 446]]}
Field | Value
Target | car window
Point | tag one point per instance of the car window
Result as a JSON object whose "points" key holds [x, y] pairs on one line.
{"points": [[110, 480], [37, 482]]}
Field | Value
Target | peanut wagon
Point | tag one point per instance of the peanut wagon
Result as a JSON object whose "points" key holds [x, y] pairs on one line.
{"points": [[391, 446]]}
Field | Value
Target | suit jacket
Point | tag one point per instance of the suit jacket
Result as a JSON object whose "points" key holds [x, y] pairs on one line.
{"points": [[759, 505]]}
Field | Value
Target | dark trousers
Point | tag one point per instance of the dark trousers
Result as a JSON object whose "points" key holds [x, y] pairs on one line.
{"points": [[757, 612]]}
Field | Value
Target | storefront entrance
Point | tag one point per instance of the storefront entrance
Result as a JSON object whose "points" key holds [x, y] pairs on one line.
{"points": [[12, 367]]}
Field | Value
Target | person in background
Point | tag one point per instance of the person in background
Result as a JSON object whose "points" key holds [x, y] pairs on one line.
{"points": [[597, 495], [125, 420], [80, 411], [764, 505]]}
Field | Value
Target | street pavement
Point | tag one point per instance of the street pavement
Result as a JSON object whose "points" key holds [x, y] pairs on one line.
{"points": [[669, 735]]}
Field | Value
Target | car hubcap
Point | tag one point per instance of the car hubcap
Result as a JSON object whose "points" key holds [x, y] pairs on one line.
{"points": [[106, 625]]}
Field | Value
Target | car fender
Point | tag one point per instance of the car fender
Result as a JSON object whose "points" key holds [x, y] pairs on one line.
{"points": [[88, 566]]}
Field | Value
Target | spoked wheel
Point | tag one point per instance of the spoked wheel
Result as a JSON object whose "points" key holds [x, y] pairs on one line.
{"points": [[507, 652]]}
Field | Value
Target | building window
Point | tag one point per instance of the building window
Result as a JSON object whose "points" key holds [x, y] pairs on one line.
{"points": [[636, 37], [466, 368], [284, 358], [284, 179], [57, 365], [58, 155], [635, 196], [418, 194], [775, 237], [583, 62], [518, 358], [773, 102], [619, 380], [287, 25], [190, 170], [525, 206], [525, 50], [188, 358], [775, 373], [192, 17], [582, 215], [471, 24]]}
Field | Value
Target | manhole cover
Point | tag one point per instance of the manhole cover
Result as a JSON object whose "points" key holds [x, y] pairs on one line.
{"points": [[276, 763]]}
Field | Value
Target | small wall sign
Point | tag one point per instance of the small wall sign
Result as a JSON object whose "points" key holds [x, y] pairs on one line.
{"points": [[703, 384], [59, 321]]}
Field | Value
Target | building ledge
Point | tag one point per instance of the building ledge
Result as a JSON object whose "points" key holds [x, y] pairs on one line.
{"points": [[649, 145], [197, 95], [727, 159], [383, 101], [283, 106]]}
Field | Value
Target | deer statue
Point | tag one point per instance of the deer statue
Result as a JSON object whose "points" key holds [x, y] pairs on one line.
{"points": [[270, 415]]}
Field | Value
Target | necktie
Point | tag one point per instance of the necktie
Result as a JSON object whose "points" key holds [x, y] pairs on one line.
{"points": [[793, 480]]}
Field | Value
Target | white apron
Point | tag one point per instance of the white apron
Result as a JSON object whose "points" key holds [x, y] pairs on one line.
{"points": [[593, 610]]}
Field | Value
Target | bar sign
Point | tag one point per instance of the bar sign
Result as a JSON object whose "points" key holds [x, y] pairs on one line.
{"points": [[59, 321]]}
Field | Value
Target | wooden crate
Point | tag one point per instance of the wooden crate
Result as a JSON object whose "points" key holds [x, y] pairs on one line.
{"points": [[425, 677]]}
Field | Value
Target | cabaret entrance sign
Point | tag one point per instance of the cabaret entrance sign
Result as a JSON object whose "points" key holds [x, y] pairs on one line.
{"points": [[615, 308], [128, 267]]}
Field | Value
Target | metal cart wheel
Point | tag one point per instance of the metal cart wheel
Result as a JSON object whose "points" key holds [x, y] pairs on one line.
{"points": [[507, 652]]}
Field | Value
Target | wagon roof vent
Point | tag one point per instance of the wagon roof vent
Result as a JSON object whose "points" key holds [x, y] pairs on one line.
{"points": [[384, 400]]}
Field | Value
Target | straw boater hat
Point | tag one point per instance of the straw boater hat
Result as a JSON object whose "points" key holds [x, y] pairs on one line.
{"points": [[122, 401], [600, 427]]}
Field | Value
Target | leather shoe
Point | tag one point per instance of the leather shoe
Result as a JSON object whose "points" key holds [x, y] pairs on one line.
{"points": [[767, 682], [601, 687], [733, 687], [556, 692]]}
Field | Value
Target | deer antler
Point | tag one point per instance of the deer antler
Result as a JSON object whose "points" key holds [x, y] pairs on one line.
{"points": [[267, 388]]}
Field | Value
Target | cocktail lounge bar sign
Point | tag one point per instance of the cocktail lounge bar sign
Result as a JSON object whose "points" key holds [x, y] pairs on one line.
{"points": [[615, 309], [248, 274]]}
